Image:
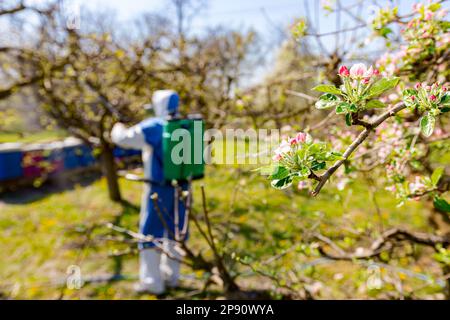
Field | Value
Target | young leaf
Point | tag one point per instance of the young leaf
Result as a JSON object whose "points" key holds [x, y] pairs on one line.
{"points": [[304, 172], [375, 104], [342, 108], [282, 184], [382, 85], [348, 119], [427, 124], [327, 89], [445, 100], [436, 176], [316, 166], [441, 204], [327, 101], [279, 172], [333, 156], [353, 108]]}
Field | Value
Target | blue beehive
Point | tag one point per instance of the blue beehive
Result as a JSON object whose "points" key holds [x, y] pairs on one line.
{"points": [[125, 153], [86, 157], [133, 152], [119, 152], [71, 154], [10, 161], [56, 156]]}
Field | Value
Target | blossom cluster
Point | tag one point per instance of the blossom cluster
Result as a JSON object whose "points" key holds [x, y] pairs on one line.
{"points": [[426, 36], [414, 188], [298, 158], [429, 99], [361, 85]]}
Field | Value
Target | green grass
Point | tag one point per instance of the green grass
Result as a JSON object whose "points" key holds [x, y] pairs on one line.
{"points": [[41, 239], [36, 137]]}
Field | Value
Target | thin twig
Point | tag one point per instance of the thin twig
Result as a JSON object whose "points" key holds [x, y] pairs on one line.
{"points": [[361, 138]]}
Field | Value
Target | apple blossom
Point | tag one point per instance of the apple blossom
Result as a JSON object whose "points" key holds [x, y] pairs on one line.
{"points": [[343, 71], [358, 71], [283, 148], [277, 157], [428, 15], [298, 158]]}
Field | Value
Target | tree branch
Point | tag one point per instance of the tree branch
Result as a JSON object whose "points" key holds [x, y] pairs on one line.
{"points": [[361, 138], [382, 243]]}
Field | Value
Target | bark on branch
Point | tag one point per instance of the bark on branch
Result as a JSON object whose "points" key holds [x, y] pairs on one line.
{"points": [[369, 127], [384, 242]]}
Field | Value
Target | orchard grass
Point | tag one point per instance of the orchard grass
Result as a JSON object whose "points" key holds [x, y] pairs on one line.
{"points": [[32, 137], [43, 236]]}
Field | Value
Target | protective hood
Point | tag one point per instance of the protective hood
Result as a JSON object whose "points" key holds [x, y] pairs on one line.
{"points": [[165, 102]]}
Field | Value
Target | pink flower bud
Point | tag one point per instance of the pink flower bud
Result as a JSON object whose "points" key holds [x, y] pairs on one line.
{"points": [[277, 157], [293, 141], [358, 70], [428, 15], [433, 98], [301, 137], [376, 72], [418, 86], [444, 89], [413, 98], [365, 80], [343, 71]]}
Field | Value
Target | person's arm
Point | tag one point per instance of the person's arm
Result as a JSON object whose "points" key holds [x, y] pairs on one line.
{"points": [[130, 138]]}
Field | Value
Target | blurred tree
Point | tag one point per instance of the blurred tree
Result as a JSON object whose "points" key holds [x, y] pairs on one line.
{"points": [[100, 83]]}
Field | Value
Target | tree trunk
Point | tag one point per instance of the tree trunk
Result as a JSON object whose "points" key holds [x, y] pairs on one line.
{"points": [[110, 172]]}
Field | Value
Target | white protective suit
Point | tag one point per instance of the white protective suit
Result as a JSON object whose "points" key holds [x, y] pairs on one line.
{"points": [[156, 270]]}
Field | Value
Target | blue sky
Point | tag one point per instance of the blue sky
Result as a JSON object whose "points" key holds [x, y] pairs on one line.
{"points": [[235, 13], [268, 17]]}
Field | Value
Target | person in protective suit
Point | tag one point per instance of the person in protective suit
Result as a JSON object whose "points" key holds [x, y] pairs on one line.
{"points": [[158, 270]]}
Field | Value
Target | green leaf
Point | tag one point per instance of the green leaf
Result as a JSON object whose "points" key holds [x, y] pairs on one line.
{"points": [[427, 124], [441, 204], [445, 100], [327, 101], [384, 32], [353, 108], [437, 175], [342, 108], [279, 172], [348, 119], [316, 166], [381, 86], [333, 156], [375, 104], [434, 7], [409, 92], [304, 172], [327, 89], [282, 183]]}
